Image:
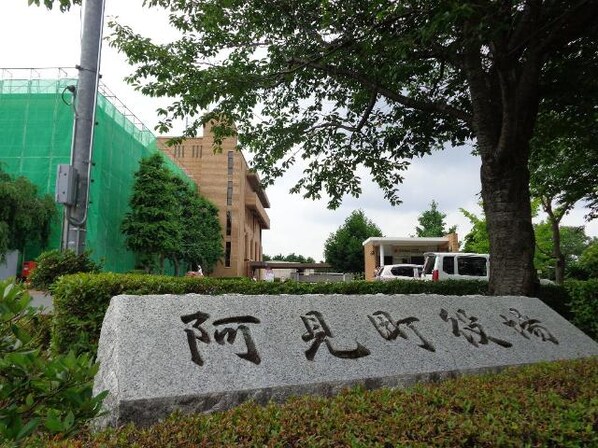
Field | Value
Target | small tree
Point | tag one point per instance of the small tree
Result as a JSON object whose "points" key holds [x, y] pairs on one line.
{"points": [[25, 217], [152, 227], [344, 248], [201, 235], [432, 223]]}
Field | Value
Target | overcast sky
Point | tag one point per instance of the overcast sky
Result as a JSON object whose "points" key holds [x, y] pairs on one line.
{"points": [[36, 37]]}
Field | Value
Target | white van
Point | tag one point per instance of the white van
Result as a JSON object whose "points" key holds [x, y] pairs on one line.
{"points": [[398, 272], [455, 266]]}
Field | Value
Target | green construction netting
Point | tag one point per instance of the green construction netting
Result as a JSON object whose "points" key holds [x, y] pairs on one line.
{"points": [[36, 122]]}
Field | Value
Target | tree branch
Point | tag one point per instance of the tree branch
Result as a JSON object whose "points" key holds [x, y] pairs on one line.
{"points": [[422, 105], [529, 15], [367, 111], [560, 30]]}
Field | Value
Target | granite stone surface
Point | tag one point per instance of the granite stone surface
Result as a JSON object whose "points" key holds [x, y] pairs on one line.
{"points": [[198, 353]]}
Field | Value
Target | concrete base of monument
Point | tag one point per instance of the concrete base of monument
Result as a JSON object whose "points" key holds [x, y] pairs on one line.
{"points": [[191, 353]]}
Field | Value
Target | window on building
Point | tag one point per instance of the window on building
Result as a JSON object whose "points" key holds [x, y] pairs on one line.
{"points": [[229, 193], [229, 223], [230, 163], [227, 254]]}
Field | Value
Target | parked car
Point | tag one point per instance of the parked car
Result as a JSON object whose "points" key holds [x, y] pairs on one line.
{"points": [[399, 272], [455, 266]]}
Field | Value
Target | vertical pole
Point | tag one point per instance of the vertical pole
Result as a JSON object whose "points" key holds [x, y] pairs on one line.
{"points": [[83, 128]]}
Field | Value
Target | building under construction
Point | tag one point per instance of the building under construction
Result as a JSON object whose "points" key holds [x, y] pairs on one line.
{"points": [[36, 126]]}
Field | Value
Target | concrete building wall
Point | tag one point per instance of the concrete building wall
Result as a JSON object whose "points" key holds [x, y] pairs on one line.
{"points": [[224, 178]]}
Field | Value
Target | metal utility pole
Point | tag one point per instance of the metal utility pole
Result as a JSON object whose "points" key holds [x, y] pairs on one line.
{"points": [[72, 185]]}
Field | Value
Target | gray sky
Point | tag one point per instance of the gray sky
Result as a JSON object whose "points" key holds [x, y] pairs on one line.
{"points": [[35, 37]]}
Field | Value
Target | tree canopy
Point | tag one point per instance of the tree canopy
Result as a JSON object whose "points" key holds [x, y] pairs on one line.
{"points": [[564, 150], [151, 228], [344, 248], [169, 220], [431, 223], [375, 84], [201, 236], [25, 217]]}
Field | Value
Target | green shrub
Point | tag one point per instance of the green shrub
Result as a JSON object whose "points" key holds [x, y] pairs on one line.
{"points": [[38, 392], [583, 301], [557, 298], [54, 263], [543, 405]]}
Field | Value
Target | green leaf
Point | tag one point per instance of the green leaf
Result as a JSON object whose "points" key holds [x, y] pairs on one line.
{"points": [[53, 422], [28, 428], [68, 421]]}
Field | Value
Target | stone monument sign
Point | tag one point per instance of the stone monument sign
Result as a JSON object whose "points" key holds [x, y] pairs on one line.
{"points": [[197, 353]]}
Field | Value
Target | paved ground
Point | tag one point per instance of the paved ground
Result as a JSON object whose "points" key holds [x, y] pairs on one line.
{"points": [[41, 299]]}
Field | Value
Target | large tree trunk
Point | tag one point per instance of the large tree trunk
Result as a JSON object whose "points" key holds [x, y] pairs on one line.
{"points": [[505, 105], [505, 192]]}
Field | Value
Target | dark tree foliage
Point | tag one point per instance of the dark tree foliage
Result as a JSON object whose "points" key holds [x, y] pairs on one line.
{"points": [[170, 220], [344, 248], [564, 150], [152, 227], [375, 84], [25, 217], [201, 235]]}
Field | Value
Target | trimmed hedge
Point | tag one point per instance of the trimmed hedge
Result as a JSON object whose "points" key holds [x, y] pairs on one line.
{"points": [[81, 300], [551, 404]]}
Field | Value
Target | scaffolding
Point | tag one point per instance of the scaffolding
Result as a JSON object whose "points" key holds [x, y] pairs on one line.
{"points": [[36, 125]]}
